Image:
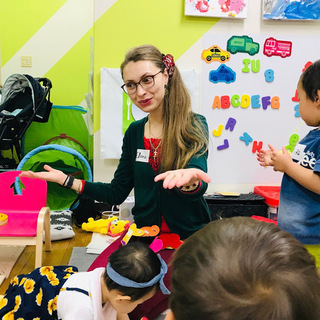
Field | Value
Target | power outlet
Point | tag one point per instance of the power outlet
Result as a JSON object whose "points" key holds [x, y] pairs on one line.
{"points": [[26, 61]]}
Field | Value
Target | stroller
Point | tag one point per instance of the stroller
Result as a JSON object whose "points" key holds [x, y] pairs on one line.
{"points": [[24, 99]]}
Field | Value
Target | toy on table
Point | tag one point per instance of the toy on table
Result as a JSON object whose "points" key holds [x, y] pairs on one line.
{"points": [[112, 226], [132, 231], [170, 240], [142, 232], [3, 219]]}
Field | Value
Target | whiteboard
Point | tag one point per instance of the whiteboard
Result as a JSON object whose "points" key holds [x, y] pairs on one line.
{"points": [[237, 164]]}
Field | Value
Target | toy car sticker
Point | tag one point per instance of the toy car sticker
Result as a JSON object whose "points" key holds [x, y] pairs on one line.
{"points": [[274, 47], [222, 74], [215, 53], [243, 44]]}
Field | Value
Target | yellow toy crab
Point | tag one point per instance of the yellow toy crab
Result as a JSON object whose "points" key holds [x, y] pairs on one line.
{"points": [[111, 226]]}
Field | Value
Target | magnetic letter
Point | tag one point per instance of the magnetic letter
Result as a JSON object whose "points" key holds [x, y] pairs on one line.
{"points": [[255, 101], [246, 138], [225, 102], [255, 67], [269, 75], [217, 133], [245, 101], [225, 145], [231, 123], [275, 102], [216, 103], [265, 102], [256, 147], [246, 63], [235, 100], [297, 112]]}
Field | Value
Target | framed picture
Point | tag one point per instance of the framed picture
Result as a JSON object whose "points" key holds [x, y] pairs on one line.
{"points": [[216, 8], [291, 10]]}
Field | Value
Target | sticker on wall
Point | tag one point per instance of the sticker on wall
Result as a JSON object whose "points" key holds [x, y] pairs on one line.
{"points": [[216, 8], [222, 74], [274, 47], [215, 53], [243, 44], [291, 10]]}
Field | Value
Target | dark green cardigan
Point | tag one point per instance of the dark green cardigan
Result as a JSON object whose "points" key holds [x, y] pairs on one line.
{"points": [[184, 213]]}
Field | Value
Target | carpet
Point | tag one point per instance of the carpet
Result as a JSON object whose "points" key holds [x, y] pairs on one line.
{"points": [[80, 259], [8, 257]]}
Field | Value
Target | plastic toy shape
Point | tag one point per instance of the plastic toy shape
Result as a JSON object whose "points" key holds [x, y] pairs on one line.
{"points": [[273, 47], [222, 74], [150, 231], [242, 44], [116, 227], [170, 240], [100, 225], [215, 53], [225, 145], [156, 245], [132, 231], [217, 133]]}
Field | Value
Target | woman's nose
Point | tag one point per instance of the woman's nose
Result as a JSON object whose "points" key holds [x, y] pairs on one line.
{"points": [[140, 90]]}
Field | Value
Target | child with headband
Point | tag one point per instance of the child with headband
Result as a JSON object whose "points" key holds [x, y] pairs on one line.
{"points": [[133, 274]]}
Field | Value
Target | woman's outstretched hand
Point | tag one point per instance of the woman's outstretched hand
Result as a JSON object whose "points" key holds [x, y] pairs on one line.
{"points": [[50, 174], [182, 178]]}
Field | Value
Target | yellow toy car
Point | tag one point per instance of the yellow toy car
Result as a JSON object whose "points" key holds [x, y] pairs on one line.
{"points": [[215, 53]]}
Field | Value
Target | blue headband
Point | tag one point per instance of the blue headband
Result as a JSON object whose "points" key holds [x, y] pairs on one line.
{"points": [[125, 282]]}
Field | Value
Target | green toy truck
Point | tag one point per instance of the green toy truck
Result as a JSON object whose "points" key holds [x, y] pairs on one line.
{"points": [[242, 44]]}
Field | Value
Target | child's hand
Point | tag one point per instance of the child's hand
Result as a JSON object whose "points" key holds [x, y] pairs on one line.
{"points": [[280, 160], [264, 157]]}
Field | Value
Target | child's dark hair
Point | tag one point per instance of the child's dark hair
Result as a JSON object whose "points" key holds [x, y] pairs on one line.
{"points": [[310, 80], [137, 262], [244, 269]]}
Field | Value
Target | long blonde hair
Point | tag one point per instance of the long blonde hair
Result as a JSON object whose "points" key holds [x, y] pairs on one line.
{"points": [[183, 135]]}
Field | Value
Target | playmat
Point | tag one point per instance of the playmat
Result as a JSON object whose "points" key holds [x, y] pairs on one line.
{"points": [[8, 257]]}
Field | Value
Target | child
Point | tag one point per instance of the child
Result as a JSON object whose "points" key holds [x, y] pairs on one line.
{"points": [[133, 275], [299, 205], [245, 269]]}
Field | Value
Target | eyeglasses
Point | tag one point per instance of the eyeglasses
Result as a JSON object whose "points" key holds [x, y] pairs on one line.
{"points": [[146, 83]]}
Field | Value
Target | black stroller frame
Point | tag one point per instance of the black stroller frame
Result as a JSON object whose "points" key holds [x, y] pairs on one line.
{"points": [[24, 99]]}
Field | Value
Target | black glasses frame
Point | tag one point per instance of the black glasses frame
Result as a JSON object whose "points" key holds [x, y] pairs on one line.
{"points": [[139, 82]]}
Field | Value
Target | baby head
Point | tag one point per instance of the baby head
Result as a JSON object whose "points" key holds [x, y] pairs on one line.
{"points": [[133, 275], [241, 268]]}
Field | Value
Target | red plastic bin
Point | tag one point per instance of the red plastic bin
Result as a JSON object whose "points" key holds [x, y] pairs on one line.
{"points": [[271, 195]]}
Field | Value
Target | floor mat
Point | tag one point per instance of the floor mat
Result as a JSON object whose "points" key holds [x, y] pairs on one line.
{"points": [[8, 257], [80, 259]]}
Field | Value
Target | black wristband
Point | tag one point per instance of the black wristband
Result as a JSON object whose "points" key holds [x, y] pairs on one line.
{"points": [[70, 182], [65, 180]]}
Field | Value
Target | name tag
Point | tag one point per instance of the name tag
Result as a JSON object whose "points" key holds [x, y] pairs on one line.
{"points": [[142, 155], [298, 152]]}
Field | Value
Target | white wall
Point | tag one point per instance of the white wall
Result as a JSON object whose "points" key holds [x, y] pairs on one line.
{"points": [[104, 169]]}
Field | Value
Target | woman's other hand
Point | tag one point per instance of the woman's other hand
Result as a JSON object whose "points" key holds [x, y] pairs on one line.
{"points": [[50, 174]]}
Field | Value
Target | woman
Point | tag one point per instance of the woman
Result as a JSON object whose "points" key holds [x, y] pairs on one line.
{"points": [[164, 155]]}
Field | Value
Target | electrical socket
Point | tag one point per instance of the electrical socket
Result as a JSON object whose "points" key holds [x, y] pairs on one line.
{"points": [[26, 61]]}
